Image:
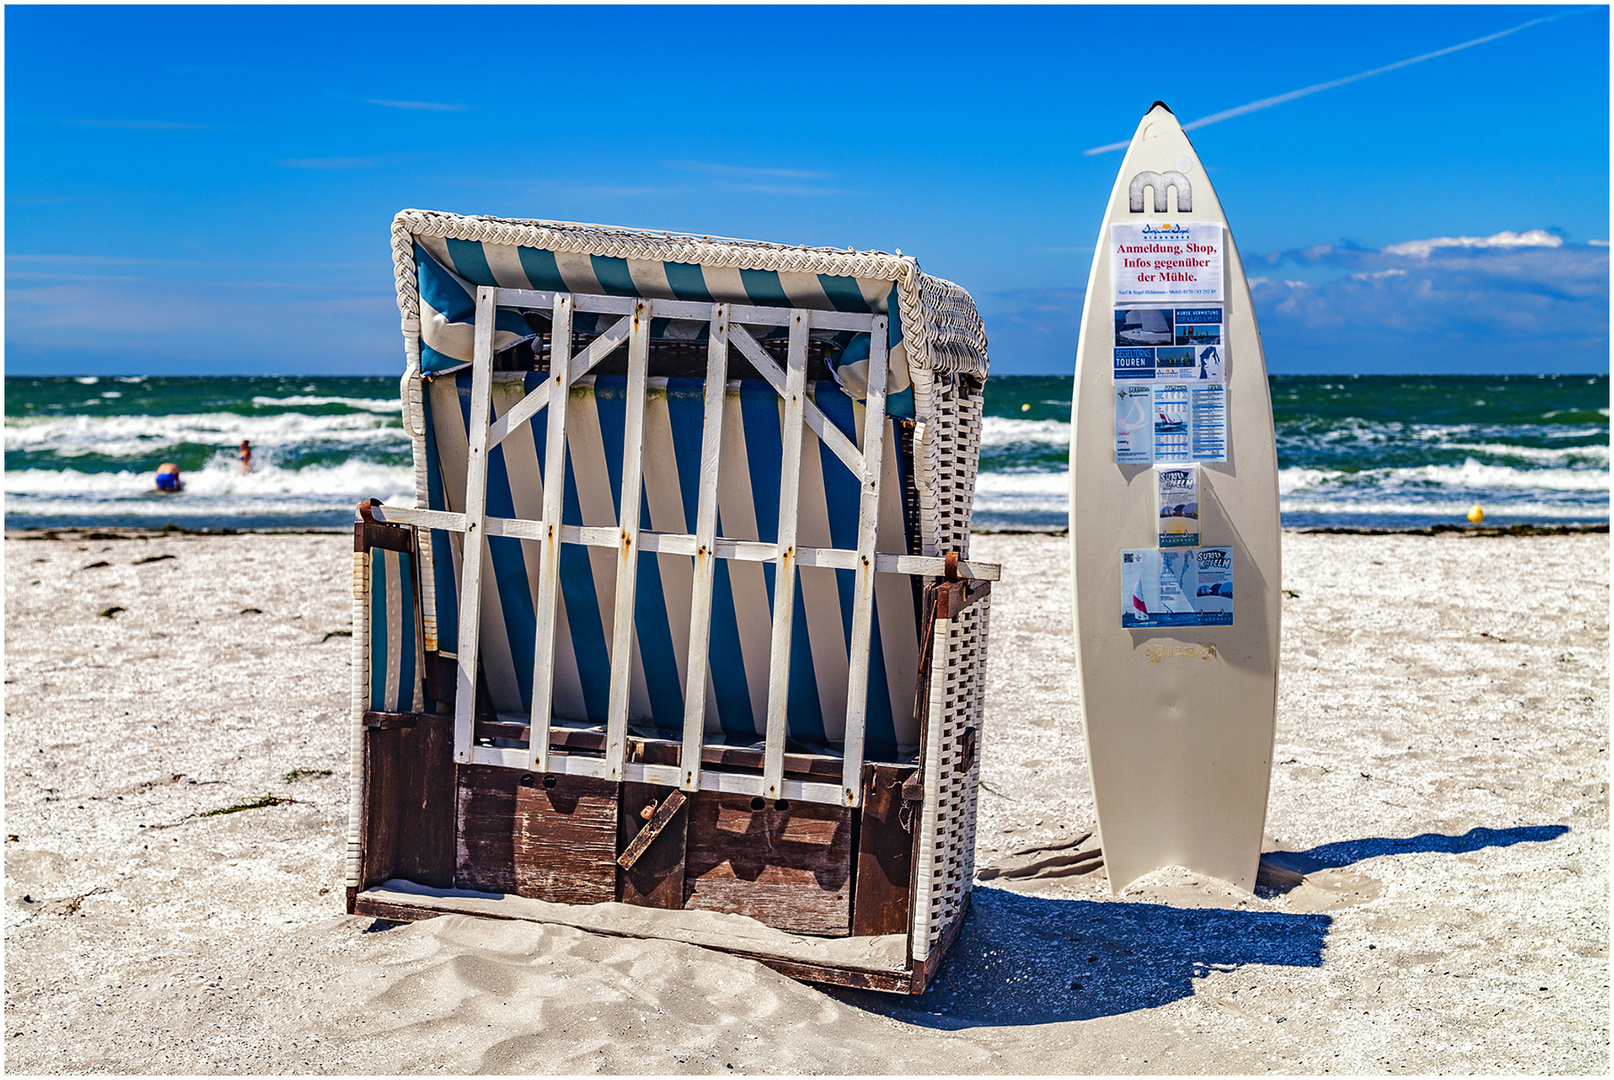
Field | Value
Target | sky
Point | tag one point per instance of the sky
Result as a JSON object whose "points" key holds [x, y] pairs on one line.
{"points": [[209, 190]]}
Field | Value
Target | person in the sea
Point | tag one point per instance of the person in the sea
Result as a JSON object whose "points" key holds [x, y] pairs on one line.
{"points": [[168, 478], [246, 457]]}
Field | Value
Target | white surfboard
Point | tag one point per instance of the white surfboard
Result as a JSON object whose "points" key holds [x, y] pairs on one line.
{"points": [[1179, 718]]}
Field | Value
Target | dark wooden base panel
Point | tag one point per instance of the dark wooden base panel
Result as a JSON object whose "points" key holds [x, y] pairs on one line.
{"points": [[787, 864], [884, 853], [548, 837], [409, 803], [803, 868]]}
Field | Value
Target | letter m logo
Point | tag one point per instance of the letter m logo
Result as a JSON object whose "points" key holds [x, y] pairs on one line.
{"points": [[1159, 182]]}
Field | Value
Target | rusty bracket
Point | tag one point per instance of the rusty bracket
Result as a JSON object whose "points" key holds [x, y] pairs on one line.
{"points": [[663, 814]]}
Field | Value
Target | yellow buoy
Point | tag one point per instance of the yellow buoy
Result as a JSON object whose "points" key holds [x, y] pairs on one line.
{"points": [[1026, 407], [1476, 513]]}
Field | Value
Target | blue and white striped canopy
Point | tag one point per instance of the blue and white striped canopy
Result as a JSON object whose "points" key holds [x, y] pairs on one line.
{"points": [[448, 272], [748, 508]]}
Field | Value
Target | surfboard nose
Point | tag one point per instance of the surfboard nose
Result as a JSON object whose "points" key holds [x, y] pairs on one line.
{"points": [[1159, 105]]}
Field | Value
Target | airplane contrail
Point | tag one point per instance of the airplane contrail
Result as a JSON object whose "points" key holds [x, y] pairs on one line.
{"points": [[1267, 103]]}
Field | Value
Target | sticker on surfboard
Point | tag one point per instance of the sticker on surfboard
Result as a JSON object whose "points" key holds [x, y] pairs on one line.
{"points": [[1178, 489], [1170, 353], [1170, 421], [1172, 262], [1174, 588]]}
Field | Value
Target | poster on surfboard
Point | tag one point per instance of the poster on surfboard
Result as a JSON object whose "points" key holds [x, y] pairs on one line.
{"points": [[1170, 360], [1174, 527]]}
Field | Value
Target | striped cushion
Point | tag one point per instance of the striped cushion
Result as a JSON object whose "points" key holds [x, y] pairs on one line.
{"points": [[748, 509], [395, 638], [448, 272]]}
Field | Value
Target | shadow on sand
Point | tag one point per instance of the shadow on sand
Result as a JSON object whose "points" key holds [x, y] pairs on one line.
{"points": [[1032, 960], [1345, 852], [1035, 960]]}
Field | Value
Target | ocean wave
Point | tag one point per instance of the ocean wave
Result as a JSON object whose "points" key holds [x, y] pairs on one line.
{"points": [[1471, 476], [375, 405], [1018, 495], [221, 479], [1316, 431], [998, 432], [130, 436], [1596, 455]]}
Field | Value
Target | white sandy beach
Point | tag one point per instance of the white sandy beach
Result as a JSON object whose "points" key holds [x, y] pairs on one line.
{"points": [[1441, 782]]}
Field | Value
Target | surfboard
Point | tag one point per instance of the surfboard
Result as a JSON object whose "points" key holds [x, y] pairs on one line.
{"points": [[1176, 633]]}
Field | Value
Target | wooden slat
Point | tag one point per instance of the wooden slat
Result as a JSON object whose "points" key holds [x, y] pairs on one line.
{"points": [[784, 574], [686, 543], [426, 519], [613, 305], [627, 561], [543, 654], [704, 553], [598, 349], [868, 519], [652, 829], [519, 413], [697, 311], [817, 320], [797, 766], [664, 775], [476, 493], [527, 298], [827, 432]]}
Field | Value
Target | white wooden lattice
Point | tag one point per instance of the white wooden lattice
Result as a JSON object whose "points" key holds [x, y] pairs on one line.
{"points": [[727, 325]]}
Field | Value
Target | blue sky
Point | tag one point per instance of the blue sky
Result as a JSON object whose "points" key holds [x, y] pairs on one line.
{"points": [[209, 190]]}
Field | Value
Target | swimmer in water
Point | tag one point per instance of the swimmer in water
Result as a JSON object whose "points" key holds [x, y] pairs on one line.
{"points": [[246, 457], [168, 478]]}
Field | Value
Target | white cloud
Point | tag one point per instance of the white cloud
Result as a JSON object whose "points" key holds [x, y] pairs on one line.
{"points": [[417, 106], [1519, 301], [1422, 248]]}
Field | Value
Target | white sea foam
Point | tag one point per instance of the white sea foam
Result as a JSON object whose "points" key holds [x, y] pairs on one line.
{"points": [[1002, 431], [1596, 455], [1021, 495], [1471, 476], [127, 436], [375, 405], [221, 480], [1423, 492]]}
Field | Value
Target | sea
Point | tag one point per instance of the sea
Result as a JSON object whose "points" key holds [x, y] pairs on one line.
{"points": [[1353, 451]]}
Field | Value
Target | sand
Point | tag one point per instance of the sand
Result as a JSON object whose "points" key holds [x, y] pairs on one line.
{"points": [[1440, 797]]}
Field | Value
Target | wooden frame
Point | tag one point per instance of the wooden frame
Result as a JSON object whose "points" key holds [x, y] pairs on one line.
{"points": [[727, 325]]}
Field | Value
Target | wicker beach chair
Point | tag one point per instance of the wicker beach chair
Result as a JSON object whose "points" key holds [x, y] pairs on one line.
{"points": [[722, 683]]}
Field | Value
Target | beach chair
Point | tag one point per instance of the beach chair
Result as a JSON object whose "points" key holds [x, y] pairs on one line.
{"points": [[681, 638]]}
